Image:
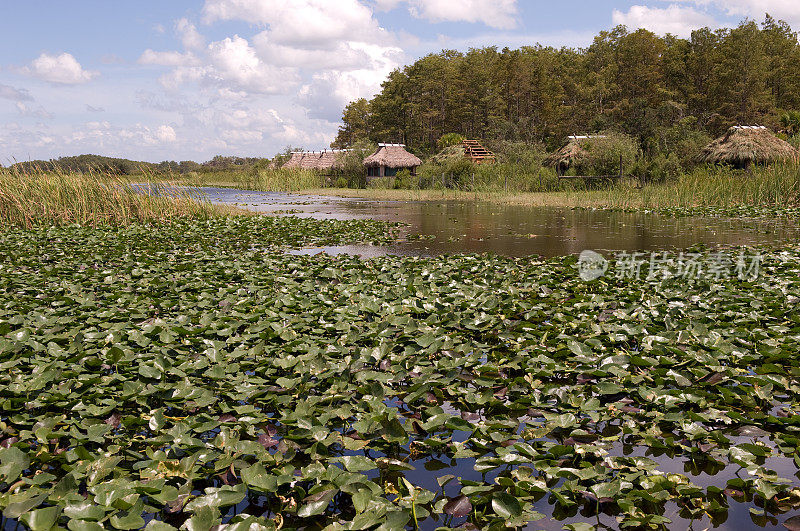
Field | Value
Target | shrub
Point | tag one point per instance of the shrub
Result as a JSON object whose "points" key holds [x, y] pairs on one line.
{"points": [[683, 139], [450, 139], [450, 173], [659, 169], [605, 153]]}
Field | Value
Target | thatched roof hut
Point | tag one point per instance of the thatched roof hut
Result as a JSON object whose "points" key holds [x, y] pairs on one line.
{"points": [[316, 160], [294, 161], [742, 146], [310, 160], [331, 160], [389, 159], [575, 153]]}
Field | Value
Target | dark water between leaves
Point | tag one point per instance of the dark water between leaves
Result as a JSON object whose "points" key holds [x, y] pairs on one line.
{"points": [[448, 227]]}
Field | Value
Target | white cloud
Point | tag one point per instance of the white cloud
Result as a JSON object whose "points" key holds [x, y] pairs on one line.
{"points": [[14, 94], [190, 37], [501, 14], [788, 10], [327, 53], [166, 133], [304, 23], [234, 63], [61, 69], [230, 66], [34, 112], [674, 19], [329, 91], [170, 58]]}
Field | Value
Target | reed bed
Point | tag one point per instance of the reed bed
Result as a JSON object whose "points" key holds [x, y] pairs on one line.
{"points": [[282, 180], [37, 198], [775, 186]]}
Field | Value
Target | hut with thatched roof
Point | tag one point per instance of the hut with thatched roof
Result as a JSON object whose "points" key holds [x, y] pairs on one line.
{"points": [[743, 146], [295, 160], [574, 154], [332, 160], [328, 160], [389, 159]]}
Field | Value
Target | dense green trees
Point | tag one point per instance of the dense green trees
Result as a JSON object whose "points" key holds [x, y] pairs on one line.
{"points": [[656, 89]]}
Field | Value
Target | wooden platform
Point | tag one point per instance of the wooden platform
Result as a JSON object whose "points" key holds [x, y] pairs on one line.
{"points": [[478, 154]]}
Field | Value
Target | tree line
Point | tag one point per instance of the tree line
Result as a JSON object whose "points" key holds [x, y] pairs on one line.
{"points": [[655, 89], [119, 166]]}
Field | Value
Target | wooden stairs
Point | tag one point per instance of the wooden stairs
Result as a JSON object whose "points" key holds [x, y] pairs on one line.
{"points": [[478, 154]]}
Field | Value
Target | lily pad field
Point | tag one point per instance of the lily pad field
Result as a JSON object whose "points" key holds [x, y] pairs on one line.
{"points": [[195, 375]]}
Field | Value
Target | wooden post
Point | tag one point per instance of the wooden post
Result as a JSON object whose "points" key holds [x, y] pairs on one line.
{"points": [[506, 185]]}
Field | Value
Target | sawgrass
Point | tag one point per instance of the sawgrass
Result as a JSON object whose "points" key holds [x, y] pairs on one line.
{"points": [[38, 197]]}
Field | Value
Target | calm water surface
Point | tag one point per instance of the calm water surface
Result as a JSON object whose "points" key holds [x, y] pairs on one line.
{"points": [[451, 227]]}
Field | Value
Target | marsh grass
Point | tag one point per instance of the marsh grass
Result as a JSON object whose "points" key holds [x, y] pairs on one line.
{"points": [[289, 180], [776, 186], [36, 198]]}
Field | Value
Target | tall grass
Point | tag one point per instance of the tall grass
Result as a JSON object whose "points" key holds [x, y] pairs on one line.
{"points": [[705, 186], [773, 186], [289, 180], [36, 198]]}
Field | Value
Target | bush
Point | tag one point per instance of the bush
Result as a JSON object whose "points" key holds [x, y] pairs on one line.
{"points": [[450, 173], [522, 154], [605, 153], [353, 164], [449, 140], [684, 140], [659, 169], [404, 180]]}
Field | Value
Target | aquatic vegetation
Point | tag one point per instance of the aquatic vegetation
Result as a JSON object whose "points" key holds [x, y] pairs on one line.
{"points": [[36, 198], [194, 374]]}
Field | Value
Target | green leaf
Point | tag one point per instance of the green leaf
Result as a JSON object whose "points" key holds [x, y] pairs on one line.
{"points": [[317, 503], [357, 463], [258, 478], [506, 506], [85, 510], [41, 519], [12, 462]]}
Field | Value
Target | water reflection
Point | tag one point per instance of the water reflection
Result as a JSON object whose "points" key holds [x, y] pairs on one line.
{"points": [[449, 227]]}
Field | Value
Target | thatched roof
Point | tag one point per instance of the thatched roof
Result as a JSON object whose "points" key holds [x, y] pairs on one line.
{"points": [[574, 152], [315, 160], [294, 162], [743, 145], [331, 160], [392, 156], [310, 160]]}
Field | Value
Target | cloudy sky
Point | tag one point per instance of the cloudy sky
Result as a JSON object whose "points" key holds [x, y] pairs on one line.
{"points": [[181, 79]]}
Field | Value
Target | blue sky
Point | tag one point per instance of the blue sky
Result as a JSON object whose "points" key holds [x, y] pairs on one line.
{"points": [[179, 79]]}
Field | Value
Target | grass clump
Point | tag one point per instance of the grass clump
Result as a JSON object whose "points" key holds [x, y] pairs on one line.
{"points": [[37, 197]]}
